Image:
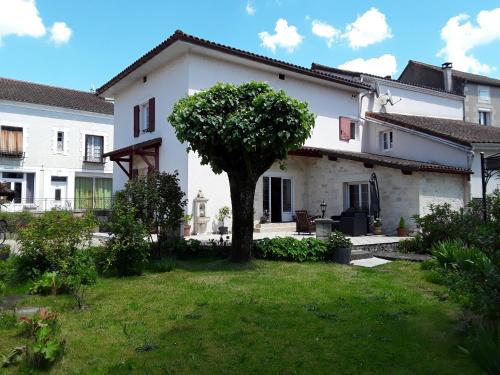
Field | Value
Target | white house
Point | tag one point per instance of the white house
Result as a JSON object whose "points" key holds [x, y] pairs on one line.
{"points": [[349, 142], [51, 146]]}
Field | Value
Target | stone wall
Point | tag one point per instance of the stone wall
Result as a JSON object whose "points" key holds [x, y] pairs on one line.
{"points": [[401, 195]]}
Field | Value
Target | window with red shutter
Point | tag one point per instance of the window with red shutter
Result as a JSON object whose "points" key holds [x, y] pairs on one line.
{"points": [[344, 128], [151, 126], [136, 121]]}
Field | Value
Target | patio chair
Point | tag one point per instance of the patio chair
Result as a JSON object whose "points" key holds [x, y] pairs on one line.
{"points": [[352, 223], [304, 223]]}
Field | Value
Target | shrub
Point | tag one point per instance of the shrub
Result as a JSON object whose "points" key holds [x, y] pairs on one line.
{"points": [[484, 347], [157, 202], [48, 283], [4, 252], [162, 265], [16, 220], [51, 239], [78, 275], [44, 348], [412, 245], [291, 249], [127, 249]]}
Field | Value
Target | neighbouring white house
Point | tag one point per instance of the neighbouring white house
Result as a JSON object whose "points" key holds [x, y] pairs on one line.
{"points": [[350, 143], [52, 142]]}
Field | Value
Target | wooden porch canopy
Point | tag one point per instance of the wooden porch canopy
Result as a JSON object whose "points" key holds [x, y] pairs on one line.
{"points": [[149, 151]]}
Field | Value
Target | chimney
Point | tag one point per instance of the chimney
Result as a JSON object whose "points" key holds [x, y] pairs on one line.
{"points": [[388, 77], [448, 78]]}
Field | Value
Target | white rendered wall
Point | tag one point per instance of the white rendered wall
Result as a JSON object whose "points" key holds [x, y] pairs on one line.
{"points": [[413, 147], [40, 126], [412, 101], [166, 85], [476, 184]]}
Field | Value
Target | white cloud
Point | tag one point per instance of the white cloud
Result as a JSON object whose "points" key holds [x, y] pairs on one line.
{"points": [[326, 31], [60, 33], [250, 9], [369, 28], [21, 18], [285, 36], [461, 36], [384, 65]]}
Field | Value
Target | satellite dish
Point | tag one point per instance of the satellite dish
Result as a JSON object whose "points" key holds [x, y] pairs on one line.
{"points": [[387, 98]]}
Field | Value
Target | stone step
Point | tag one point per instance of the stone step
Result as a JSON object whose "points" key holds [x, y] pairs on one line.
{"points": [[360, 254], [274, 227]]}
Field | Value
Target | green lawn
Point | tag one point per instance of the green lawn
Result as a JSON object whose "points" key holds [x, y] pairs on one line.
{"points": [[261, 318]]}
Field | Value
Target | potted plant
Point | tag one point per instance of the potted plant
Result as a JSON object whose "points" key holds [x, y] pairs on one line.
{"points": [[187, 226], [377, 226], [402, 230], [224, 213], [339, 246]]}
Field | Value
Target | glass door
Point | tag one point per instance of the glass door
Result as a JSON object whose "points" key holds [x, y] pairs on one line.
{"points": [[286, 207], [277, 200]]}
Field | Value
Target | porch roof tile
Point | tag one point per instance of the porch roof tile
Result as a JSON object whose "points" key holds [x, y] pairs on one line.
{"points": [[382, 160]]}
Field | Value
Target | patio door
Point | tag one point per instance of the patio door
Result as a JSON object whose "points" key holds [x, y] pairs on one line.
{"points": [[278, 198]]}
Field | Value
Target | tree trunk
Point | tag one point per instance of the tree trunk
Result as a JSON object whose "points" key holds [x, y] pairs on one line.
{"points": [[242, 196]]}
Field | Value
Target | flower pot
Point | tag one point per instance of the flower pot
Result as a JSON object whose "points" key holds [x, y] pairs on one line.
{"points": [[223, 230], [342, 255], [402, 232], [377, 230], [187, 230]]}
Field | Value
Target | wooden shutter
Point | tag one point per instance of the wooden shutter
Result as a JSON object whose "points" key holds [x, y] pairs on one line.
{"points": [[151, 125], [345, 129], [136, 121], [86, 147]]}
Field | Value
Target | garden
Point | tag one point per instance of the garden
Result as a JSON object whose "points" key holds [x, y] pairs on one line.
{"points": [[176, 306]]}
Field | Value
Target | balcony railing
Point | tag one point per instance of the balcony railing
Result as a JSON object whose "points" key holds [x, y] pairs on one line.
{"points": [[47, 204], [17, 154]]}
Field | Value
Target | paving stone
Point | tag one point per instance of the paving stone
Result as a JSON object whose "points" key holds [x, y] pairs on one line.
{"points": [[369, 262]]}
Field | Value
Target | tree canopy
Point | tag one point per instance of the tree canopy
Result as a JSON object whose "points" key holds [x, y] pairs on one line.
{"points": [[242, 130]]}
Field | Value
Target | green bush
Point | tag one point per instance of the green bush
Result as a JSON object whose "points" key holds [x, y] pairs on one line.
{"points": [[291, 249], [51, 239], [484, 347], [16, 220], [412, 245], [161, 265], [78, 275], [127, 248], [48, 283]]}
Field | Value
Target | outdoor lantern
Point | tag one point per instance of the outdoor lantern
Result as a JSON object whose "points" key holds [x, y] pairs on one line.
{"points": [[323, 208]]}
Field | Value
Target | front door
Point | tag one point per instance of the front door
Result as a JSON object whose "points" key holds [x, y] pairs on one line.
{"points": [[278, 198], [59, 193]]}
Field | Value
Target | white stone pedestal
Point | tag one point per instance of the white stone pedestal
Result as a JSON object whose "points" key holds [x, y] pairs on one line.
{"points": [[323, 228]]}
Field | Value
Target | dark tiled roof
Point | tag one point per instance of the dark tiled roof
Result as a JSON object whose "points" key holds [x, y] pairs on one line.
{"points": [[477, 78], [457, 131], [382, 160], [181, 36], [28, 92], [324, 68]]}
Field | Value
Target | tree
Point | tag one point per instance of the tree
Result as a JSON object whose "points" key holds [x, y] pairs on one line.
{"points": [[241, 130]]}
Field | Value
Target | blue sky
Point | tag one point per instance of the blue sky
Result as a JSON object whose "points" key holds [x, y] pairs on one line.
{"points": [[82, 43]]}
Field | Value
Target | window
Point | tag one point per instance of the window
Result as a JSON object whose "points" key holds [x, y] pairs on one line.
{"points": [[57, 196], [144, 111], [12, 175], [60, 141], [347, 129], [353, 130], [287, 195], [357, 196], [30, 187], [58, 178], [94, 148], [387, 140], [93, 192], [484, 94], [484, 118], [11, 142]]}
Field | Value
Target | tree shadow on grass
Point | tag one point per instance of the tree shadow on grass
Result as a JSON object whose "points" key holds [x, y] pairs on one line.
{"points": [[214, 265]]}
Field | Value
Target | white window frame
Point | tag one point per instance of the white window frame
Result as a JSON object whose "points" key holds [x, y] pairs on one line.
{"points": [[144, 117], [487, 113], [347, 186], [485, 98], [389, 134], [92, 158]]}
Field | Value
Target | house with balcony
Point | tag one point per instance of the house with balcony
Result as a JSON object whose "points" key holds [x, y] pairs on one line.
{"points": [[351, 143], [52, 142]]}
